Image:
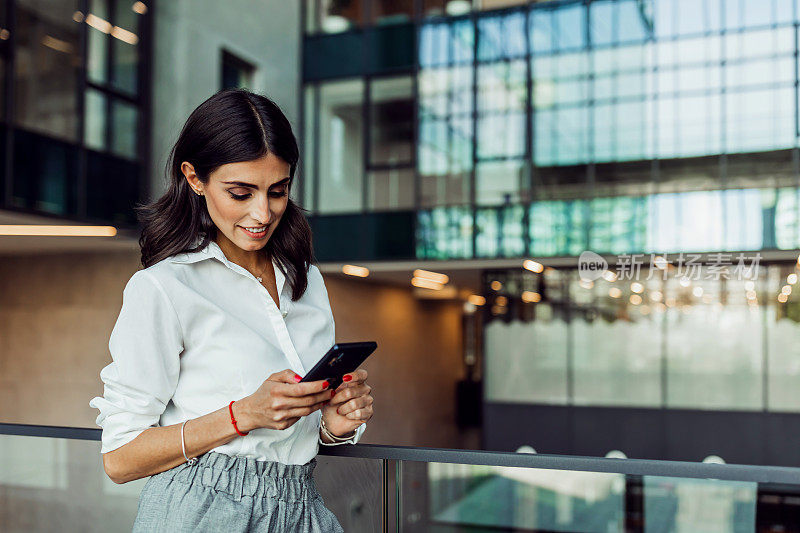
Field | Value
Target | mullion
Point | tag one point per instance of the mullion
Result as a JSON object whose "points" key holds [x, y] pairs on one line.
{"points": [[110, 78], [82, 207], [8, 188]]}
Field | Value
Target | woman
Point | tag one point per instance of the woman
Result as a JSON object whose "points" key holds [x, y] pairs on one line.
{"points": [[215, 332]]}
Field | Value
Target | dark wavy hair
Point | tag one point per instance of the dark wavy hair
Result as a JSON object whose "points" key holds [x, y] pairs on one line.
{"points": [[231, 126]]}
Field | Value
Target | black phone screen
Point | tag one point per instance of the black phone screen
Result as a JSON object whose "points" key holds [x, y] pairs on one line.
{"points": [[342, 358]]}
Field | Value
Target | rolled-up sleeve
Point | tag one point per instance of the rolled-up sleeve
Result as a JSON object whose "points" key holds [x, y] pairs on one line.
{"points": [[145, 347]]}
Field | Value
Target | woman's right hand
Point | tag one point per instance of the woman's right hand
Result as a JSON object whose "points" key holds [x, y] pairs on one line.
{"points": [[280, 402]]}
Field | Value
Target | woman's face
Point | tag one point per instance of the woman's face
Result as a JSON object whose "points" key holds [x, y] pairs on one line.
{"points": [[247, 194]]}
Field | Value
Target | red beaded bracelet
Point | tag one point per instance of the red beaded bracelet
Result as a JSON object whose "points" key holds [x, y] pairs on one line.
{"points": [[233, 420]]}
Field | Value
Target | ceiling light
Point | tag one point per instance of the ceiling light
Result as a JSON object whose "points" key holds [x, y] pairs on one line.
{"points": [[457, 7], [426, 284], [475, 299], [432, 276], [98, 23], [353, 270], [531, 297], [533, 266], [58, 231], [334, 24]]}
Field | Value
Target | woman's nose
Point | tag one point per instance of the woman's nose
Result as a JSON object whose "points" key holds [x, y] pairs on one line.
{"points": [[262, 212]]}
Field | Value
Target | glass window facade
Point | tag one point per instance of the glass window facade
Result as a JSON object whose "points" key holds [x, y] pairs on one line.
{"points": [[125, 72], [706, 340], [391, 116], [47, 48], [87, 126], [236, 72], [340, 120], [333, 16], [598, 118]]}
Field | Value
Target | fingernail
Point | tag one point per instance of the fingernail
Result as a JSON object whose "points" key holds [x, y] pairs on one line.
{"points": [[347, 377], [337, 411], [297, 378], [325, 384], [333, 393]]}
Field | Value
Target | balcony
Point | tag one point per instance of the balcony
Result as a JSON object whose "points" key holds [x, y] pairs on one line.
{"points": [[51, 478]]}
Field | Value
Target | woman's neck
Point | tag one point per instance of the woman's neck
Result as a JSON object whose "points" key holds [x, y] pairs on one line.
{"points": [[254, 261]]}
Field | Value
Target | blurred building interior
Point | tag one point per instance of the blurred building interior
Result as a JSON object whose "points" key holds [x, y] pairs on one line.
{"points": [[457, 159]]}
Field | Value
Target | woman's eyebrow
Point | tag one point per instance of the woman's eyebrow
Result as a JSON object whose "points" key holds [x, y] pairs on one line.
{"points": [[252, 186]]}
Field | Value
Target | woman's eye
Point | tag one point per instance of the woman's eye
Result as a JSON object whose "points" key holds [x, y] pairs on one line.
{"points": [[246, 196]]}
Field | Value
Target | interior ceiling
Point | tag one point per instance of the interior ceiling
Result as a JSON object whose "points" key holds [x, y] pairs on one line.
{"points": [[465, 275], [468, 279]]}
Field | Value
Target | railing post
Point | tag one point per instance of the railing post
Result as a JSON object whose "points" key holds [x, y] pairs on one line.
{"points": [[385, 488]]}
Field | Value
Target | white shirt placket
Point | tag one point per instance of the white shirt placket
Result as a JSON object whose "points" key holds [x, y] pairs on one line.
{"points": [[277, 317]]}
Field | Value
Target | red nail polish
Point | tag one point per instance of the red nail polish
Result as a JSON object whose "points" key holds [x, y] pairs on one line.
{"points": [[325, 384], [347, 377], [333, 393], [337, 411], [297, 378]]}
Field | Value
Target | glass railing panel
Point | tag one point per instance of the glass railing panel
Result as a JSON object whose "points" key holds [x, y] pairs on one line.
{"points": [[682, 504], [446, 497], [52, 484], [449, 497], [49, 484], [352, 488]]}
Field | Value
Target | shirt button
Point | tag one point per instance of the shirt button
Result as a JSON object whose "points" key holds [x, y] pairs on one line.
{"points": [[284, 313]]}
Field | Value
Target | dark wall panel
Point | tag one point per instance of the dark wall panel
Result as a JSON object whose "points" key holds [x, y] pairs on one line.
{"points": [[663, 434], [364, 237], [333, 56]]}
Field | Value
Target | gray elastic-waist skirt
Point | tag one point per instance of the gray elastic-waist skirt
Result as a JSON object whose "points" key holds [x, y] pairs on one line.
{"points": [[226, 493]]}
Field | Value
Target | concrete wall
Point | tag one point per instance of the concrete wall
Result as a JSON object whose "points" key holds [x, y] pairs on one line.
{"points": [[189, 36], [57, 312]]}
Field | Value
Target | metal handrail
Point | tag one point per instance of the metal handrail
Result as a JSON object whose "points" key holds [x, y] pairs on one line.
{"points": [[635, 467]]}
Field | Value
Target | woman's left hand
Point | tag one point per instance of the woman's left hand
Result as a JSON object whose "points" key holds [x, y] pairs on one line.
{"points": [[350, 406]]}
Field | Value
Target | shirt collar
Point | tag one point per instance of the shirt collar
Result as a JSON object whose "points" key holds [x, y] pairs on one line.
{"points": [[212, 249]]}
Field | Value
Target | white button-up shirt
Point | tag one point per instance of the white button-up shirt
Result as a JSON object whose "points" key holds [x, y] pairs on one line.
{"points": [[196, 331]]}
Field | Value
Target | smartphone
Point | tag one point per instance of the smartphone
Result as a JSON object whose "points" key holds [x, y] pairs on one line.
{"points": [[341, 359]]}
